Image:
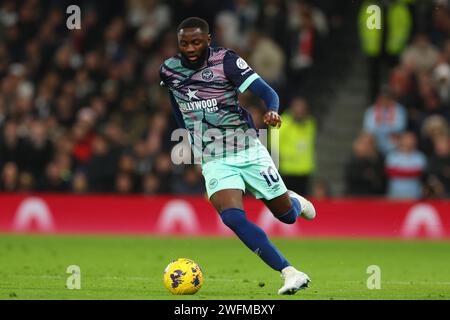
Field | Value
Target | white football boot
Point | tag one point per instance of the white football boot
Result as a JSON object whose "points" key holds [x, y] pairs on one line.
{"points": [[308, 211], [294, 280]]}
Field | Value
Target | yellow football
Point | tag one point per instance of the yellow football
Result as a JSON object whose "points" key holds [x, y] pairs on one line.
{"points": [[183, 276]]}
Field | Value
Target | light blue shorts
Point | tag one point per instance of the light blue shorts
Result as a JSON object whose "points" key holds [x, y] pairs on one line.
{"points": [[252, 170]]}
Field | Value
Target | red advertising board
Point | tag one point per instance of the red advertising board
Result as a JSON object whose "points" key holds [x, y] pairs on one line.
{"points": [[169, 215]]}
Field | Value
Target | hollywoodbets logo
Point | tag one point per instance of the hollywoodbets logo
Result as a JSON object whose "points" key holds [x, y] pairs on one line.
{"points": [[209, 104]]}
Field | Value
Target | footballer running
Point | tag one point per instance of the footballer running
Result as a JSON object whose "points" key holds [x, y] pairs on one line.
{"points": [[204, 84]]}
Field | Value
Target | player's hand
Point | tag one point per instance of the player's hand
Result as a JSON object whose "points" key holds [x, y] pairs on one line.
{"points": [[273, 119]]}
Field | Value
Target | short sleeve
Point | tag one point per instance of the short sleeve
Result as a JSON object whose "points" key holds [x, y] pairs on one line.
{"points": [[238, 71]]}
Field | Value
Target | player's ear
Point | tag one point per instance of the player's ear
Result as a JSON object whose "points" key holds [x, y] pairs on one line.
{"points": [[209, 39]]}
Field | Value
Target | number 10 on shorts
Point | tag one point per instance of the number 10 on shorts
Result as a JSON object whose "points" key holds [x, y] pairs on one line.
{"points": [[270, 176]]}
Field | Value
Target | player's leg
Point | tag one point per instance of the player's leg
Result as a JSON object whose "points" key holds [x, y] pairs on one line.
{"points": [[264, 181], [284, 208], [228, 203], [289, 206], [225, 187], [227, 198]]}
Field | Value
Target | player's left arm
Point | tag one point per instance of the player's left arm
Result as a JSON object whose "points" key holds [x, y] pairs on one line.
{"points": [[262, 90], [243, 77]]}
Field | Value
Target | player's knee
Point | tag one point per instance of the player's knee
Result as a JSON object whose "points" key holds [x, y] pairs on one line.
{"points": [[291, 215]]}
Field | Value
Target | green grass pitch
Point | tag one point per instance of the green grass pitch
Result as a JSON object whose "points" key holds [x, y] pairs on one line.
{"points": [[120, 267]]}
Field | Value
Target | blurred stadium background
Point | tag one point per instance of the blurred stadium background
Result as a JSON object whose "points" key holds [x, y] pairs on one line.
{"points": [[81, 110], [85, 127], [366, 111]]}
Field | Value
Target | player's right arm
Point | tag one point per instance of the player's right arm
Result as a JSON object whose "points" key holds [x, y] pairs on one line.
{"points": [[176, 111], [173, 102]]}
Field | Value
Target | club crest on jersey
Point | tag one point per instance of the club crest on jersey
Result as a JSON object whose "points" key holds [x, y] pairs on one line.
{"points": [[207, 74], [241, 64]]}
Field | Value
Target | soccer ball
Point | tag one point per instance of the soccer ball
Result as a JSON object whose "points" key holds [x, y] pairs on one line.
{"points": [[183, 276]]}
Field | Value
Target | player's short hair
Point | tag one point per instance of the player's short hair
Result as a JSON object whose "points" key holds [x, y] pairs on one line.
{"points": [[194, 22]]}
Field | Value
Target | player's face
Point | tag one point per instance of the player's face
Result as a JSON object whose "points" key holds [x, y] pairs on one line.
{"points": [[193, 45]]}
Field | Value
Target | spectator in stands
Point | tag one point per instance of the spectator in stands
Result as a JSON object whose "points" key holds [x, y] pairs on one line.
{"points": [[364, 172], [433, 127], [401, 81], [80, 183], [297, 146], [127, 165], [422, 54], [428, 90], [226, 30], [143, 158], [101, 167], [438, 24], [150, 18], [192, 182], [296, 14], [266, 58], [441, 78], [233, 26], [321, 190], [66, 166], [150, 184], [304, 44], [124, 183], [272, 20], [380, 47], [53, 180], [26, 182], [446, 51], [9, 179], [308, 27], [405, 168], [83, 138], [385, 120], [438, 171], [132, 120], [38, 150], [11, 146], [165, 172], [2, 112]]}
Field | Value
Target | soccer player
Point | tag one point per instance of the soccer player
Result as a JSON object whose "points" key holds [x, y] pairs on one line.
{"points": [[204, 83]]}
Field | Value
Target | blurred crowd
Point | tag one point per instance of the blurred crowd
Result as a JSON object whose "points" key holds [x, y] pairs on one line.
{"points": [[82, 110], [404, 148]]}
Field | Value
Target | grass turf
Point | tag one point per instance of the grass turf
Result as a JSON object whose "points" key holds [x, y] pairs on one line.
{"points": [[34, 267]]}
